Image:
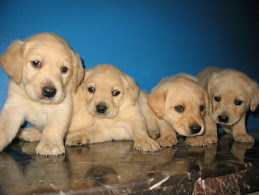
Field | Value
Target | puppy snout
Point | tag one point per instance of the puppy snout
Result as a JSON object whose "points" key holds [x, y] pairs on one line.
{"points": [[195, 129], [223, 118], [101, 108], [49, 91]]}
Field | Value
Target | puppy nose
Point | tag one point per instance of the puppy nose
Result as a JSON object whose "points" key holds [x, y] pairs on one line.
{"points": [[223, 118], [195, 129], [49, 92], [101, 109]]}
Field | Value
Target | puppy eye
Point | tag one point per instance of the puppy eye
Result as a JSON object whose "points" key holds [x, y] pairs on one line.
{"points": [[179, 108], [217, 98], [116, 93], [36, 63], [64, 69], [202, 108], [238, 102], [91, 89]]}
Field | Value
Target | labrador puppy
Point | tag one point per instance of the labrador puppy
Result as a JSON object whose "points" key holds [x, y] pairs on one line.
{"points": [[44, 71], [231, 94], [106, 108], [180, 101]]}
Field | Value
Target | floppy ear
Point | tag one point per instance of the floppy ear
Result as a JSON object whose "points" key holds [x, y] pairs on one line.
{"points": [[78, 71], [132, 89], [156, 101], [254, 96], [11, 60], [207, 102]]}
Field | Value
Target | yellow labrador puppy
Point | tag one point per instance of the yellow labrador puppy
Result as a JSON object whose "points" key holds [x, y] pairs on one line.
{"points": [[106, 108], [180, 101], [231, 94], [44, 71]]}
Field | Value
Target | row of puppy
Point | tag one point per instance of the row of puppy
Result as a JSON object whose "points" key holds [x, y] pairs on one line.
{"points": [[50, 89]]}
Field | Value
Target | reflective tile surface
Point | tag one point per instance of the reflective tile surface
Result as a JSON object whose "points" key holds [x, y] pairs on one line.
{"points": [[115, 168]]}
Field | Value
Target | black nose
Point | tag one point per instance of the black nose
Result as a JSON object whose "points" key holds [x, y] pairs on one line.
{"points": [[49, 92], [195, 129], [101, 109], [223, 118]]}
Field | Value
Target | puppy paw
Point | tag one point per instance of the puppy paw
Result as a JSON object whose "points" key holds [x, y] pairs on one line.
{"points": [[196, 141], [45, 148], [167, 141], [244, 139], [146, 145], [29, 134], [77, 140], [211, 139]]}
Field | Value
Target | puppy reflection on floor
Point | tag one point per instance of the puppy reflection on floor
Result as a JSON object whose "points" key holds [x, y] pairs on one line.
{"points": [[106, 108], [110, 163]]}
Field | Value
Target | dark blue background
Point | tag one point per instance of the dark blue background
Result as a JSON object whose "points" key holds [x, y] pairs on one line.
{"points": [[147, 39]]}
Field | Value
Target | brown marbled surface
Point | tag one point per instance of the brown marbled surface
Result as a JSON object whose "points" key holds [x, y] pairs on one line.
{"points": [[115, 168]]}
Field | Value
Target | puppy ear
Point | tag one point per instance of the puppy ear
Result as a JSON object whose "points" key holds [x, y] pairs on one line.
{"points": [[78, 71], [11, 60], [207, 102], [132, 89], [156, 101], [254, 96]]}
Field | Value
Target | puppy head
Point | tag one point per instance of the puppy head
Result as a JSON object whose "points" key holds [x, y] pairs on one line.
{"points": [[44, 65], [182, 102], [108, 90], [231, 95]]}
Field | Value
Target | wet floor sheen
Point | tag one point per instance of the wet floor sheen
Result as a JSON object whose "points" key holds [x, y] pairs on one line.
{"points": [[115, 168]]}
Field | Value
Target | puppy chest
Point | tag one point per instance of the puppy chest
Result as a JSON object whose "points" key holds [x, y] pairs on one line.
{"points": [[37, 118]]}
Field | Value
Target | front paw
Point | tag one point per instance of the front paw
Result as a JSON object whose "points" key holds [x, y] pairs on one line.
{"points": [[49, 148], [146, 145], [196, 141], [167, 141], [77, 140], [29, 134], [211, 139], [244, 139]]}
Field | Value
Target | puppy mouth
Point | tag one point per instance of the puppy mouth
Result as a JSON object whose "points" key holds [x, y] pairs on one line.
{"points": [[101, 109], [45, 94], [192, 130]]}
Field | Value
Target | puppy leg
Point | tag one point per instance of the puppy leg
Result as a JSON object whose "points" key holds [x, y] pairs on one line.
{"points": [[29, 134], [52, 138], [11, 119], [211, 132], [168, 136], [142, 142], [239, 132]]}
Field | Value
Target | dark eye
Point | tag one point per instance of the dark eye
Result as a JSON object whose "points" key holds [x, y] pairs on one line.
{"points": [[91, 89], [179, 108], [64, 69], [115, 93], [238, 102], [36, 64], [217, 98], [201, 108]]}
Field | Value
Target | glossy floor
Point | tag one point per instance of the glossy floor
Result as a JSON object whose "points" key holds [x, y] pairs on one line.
{"points": [[115, 168]]}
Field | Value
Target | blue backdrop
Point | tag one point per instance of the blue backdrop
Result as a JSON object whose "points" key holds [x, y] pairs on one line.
{"points": [[147, 39]]}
